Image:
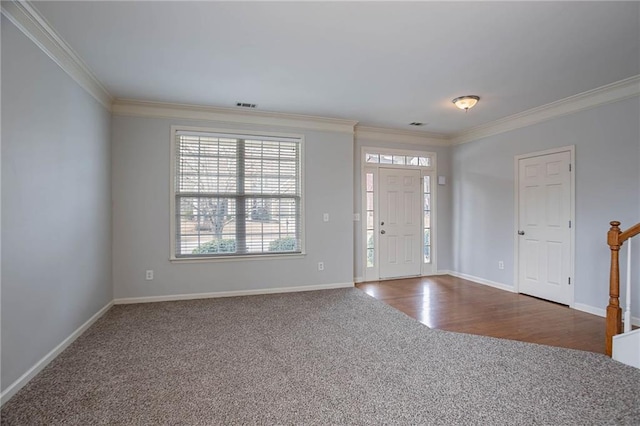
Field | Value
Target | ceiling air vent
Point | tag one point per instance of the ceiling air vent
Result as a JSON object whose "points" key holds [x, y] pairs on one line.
{"points": [[245, 105], [416, 123]]}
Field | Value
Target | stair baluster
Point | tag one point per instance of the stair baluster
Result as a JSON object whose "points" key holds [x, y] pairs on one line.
{"points": [[627, 311]]}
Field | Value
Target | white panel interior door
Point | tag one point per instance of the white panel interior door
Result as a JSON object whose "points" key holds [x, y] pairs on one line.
{"points": [[400, 223], [544, 204]]}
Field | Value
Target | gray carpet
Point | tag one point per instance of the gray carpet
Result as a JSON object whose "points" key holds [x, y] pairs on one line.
{"points": [[324, 357]]}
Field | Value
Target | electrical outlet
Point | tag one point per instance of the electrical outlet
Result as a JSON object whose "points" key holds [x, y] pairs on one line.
{"points": [[500, 264], [320, 266], [325, 217], [149, 275]]}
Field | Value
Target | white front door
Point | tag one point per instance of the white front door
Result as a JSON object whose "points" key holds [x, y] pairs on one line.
{"points": [[400, 227], [544, 235]]}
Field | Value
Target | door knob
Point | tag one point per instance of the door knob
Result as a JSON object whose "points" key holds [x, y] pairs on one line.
{"points": [[520, 232], [383, 232], [381, 223]]}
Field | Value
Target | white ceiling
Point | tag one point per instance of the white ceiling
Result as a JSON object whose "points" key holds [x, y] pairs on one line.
{"points": [[382, 63]]}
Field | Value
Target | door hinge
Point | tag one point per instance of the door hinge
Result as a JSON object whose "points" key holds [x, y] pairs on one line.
{"points": [[569, 280], [569, 224], [569, 166]]}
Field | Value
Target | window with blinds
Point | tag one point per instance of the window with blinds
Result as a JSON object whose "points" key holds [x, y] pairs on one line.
{"points": [[236, 195]]}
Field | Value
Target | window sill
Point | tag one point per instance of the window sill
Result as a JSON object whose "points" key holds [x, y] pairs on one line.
{"points": [[236, 258]]}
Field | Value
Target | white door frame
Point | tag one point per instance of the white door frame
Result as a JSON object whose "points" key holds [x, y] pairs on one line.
{"points": [[373, 274], [572, 231], [400, 230]]}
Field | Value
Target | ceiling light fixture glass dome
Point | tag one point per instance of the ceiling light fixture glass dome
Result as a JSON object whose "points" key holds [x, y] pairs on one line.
{"points": [[466, 102]]}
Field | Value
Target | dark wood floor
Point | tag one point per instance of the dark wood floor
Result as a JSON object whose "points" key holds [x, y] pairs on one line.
{"points": [[448, 303]]}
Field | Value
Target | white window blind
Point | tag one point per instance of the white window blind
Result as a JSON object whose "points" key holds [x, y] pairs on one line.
{"points": [[236, 195]]}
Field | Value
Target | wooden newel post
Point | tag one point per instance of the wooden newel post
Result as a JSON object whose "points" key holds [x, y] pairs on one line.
{"points": [[614, 313]]}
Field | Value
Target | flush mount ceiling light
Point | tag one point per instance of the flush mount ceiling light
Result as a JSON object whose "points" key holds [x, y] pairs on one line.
{"points": [[466, 102]]}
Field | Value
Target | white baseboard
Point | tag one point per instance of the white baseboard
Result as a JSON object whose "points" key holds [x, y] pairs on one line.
{"points": [[577, 306], [590, 309], [174, 297], [358, 279], [601, 312], [479, 280], [24, 379]]}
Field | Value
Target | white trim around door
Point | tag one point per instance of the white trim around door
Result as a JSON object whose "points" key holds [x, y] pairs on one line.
{"points": [[428, 171], [572, 223]]}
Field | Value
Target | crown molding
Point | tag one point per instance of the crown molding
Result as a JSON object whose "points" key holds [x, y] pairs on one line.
{"points": [[400, 136], [28, 20], [138, 108], [603, 95]]}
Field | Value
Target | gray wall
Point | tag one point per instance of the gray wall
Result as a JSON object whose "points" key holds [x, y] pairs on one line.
{"points": [[607, 141], [141, 186], [443, 165], [62, 154], [56, 218]]}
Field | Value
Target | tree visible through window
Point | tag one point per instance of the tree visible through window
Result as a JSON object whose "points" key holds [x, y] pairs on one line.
{"points": [[236, 195]]}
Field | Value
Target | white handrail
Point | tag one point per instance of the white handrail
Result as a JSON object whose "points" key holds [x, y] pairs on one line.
{"points": [[627, 312]]}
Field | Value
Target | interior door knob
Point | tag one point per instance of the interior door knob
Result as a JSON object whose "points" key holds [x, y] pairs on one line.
{"points": [[383, 232], [520, 232]]}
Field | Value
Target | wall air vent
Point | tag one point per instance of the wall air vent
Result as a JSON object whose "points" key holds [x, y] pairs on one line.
{"points": [[245, 105]]}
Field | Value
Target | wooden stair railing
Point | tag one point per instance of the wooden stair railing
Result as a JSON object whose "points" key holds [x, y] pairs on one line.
{"points": [[615, 239]]}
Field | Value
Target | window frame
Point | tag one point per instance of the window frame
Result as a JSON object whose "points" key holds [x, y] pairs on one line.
{"points": [[232, 133]]}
